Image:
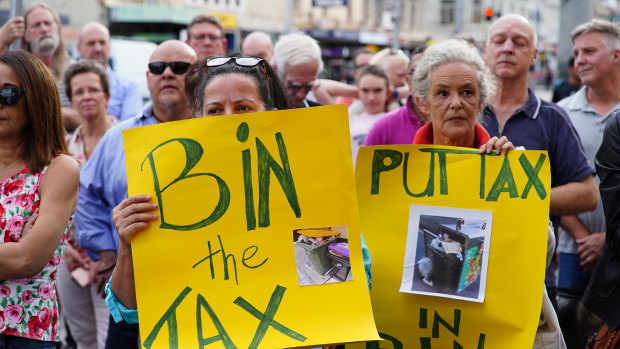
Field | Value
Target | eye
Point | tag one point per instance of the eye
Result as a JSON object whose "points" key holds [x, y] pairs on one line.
{"points": [[468, 92], [244, 108], [214, 111], [442, 93]]}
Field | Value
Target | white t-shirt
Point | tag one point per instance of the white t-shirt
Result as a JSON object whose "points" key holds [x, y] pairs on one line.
{"points": [[360, 125]]}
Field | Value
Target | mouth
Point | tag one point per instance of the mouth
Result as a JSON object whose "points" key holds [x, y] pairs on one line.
{"points": [[168, 87]]}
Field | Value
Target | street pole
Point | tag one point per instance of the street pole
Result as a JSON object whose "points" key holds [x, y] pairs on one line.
{"points": [[458, 17], [16, 10], [572, 13], [288, 28], [396, 18]]}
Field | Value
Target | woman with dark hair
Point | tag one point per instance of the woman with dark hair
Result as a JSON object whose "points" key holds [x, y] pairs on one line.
{"points": [[38, 194], [215, 86]]}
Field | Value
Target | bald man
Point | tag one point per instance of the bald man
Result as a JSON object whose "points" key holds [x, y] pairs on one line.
{"points": [[526, 120], [258, 44], [103, 179], [125, 98]]}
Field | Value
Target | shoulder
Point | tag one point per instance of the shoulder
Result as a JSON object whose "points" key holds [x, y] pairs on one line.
{"points": [[63, 169]]}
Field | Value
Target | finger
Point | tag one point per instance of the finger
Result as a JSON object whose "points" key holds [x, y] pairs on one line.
{"points": [[132, 200], [138, 208], [123, 223], [130, 231], [506, 147]]}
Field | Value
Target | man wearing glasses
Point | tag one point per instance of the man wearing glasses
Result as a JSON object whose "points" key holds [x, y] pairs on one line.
{"points": [[205, 34], [297, 58], [103, 179]]}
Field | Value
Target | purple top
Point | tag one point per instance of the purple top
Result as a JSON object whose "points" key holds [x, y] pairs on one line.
{"points": [[396, 127]]}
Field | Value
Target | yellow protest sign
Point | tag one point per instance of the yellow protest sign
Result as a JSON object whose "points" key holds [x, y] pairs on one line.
{"points": [[458, 244], [224, 265]]}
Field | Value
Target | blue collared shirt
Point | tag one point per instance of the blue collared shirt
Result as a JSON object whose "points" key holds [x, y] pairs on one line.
{"points": [[125, 98], [103, 182], [542, 125]]}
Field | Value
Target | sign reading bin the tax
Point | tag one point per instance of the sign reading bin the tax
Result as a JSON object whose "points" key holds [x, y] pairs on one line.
{"points": [[458, 243], [223, 267]]}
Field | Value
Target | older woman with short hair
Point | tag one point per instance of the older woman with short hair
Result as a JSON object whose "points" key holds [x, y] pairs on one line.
{"points": [[451, 84]]}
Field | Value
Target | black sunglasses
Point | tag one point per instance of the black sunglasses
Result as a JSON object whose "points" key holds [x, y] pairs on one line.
{"points": [[178, 68], [9, 96], [241, 61]]}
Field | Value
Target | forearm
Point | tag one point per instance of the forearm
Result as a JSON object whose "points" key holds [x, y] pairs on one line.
{"points": [[17, 263], [123, 284], [573, 198], [572, 226], [71, 119], [337, 88]]}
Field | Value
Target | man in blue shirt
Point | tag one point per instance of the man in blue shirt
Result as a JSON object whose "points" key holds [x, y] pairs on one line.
{"points": [[526, 120], [125, 98], [103, 179]]}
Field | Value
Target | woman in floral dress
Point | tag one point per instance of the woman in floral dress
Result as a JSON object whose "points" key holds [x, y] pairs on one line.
{"points": [[37, 180]]}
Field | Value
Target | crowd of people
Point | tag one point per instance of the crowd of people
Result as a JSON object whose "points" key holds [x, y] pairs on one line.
{"points": [[61, 124]]}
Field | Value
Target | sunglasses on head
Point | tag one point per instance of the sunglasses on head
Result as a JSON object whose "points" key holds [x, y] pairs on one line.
{"points": [[241, 61], [177, 68], [10, 96]]}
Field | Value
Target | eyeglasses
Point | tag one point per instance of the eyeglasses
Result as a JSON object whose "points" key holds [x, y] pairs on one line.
{"points": [[295, 86], [202, 37], [240, 61], [178, 68], [9, 96]]}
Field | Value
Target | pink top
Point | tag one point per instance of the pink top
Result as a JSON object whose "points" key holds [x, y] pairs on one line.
{"points": [[28, 307]]}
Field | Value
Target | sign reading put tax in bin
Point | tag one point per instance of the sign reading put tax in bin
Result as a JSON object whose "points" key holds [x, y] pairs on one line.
{"points": [[224, 264], [458, 243]]}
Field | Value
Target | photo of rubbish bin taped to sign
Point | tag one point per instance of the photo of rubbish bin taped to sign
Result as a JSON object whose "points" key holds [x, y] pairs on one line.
{"points": [[322, 255], [447, 252]]}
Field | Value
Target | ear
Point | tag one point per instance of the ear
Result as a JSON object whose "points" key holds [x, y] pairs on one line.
{"points": [[616, 54], [534, 57], [421, 104]]}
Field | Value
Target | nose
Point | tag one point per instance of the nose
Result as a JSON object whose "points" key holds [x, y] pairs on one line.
{"points": [[301, 93], [579, 59], [167, 74], [455, 101], [508, 46]]}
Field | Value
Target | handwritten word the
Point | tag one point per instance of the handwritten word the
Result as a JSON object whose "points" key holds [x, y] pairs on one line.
{"points": [[387, 160], [266, 164], [266, 320], [248, 254]]}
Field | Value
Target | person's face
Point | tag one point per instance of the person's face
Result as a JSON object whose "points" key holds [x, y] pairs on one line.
{"points": [[258, 48], [42, 32], [87, 96], [510, 50], [453, 103], [360, 62], [13, 120], [207, 40], [373, 92], [168, 88], [95, 44], [593, 61], [234, 93], [397, 72], [299, 80]]}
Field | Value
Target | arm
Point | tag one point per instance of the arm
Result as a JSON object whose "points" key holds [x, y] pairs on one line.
{"points": [[589, 244], [130, 218], [59, 191], [608, 168], [14, 28], [70, 118], [574, 197], [336, 88], [93, 217]]}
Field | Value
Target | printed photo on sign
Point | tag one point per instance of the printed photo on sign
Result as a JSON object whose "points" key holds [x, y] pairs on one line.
{"points": [[322, 255], [447, 252]]}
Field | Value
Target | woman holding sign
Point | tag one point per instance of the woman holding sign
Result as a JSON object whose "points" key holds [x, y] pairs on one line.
{"points": [[38, 180], [451, 84], [215, 86]]}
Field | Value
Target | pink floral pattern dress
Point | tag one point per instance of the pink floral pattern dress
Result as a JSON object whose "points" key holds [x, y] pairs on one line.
{"points": [[28, 307]]}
